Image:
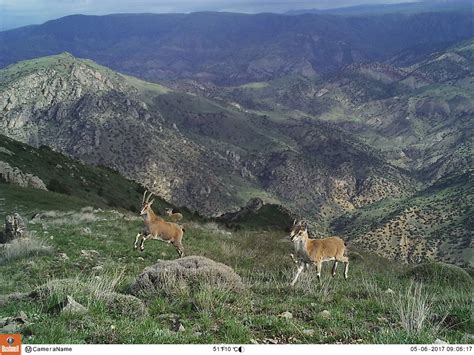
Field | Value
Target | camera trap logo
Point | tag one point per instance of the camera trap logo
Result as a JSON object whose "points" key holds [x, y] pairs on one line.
{"points": [[10, 344]]}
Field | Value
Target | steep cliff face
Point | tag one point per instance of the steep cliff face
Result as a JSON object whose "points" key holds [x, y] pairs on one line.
{"points": [[204, 155]]}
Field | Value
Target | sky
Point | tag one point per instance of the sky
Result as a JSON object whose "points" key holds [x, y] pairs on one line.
{"points": [[16, 13]]}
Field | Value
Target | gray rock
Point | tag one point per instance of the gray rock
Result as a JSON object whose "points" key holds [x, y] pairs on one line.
{"points": [[439, 341], [308, 332], [89, 254], [63, 256], [15, 227], [167, 276], [10, 328], [324, 314], [86, 230], [286, 314], [72, 307], [15, 176], [10, 325]]}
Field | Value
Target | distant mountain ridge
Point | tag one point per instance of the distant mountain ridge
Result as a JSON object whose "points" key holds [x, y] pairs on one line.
{"points": [[380, 9], [229, 48]]}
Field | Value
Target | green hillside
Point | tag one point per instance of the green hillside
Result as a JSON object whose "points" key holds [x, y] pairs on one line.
{"points": [[379, 303], [75, 181], [436, 223]]}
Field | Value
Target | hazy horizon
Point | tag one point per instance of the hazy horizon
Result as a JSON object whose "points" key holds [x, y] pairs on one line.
{"points": [[29, 12]]}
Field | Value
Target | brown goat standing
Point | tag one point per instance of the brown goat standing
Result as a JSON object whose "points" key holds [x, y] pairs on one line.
{"points": [[316, 251], [156, 228]]}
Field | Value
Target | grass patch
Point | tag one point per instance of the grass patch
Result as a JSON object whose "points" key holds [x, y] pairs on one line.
{"points": [[23, 248], [442, 274], [360, 309]]}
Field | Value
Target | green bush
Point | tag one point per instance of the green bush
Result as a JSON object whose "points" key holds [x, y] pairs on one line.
{"points": [[57, 186], [441, 273]]}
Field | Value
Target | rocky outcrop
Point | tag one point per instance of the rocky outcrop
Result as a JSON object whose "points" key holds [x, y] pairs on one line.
{"points": [[15, 176], [167, 276], [15, 227], [254, 205]]}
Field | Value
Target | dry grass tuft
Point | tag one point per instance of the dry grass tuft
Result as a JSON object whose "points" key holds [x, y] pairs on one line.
{"points": [[22, 248], [414, 308]]}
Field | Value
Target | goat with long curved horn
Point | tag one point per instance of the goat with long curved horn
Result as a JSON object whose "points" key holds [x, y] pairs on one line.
{"points": [[157, 228]]}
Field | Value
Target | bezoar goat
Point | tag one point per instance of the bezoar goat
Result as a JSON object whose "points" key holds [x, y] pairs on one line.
{"points": [[316, 251], [173, 216], [156, 228]]}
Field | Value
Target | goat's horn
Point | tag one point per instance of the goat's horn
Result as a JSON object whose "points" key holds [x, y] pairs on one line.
{"points": [[144, 196], [149, 196]]}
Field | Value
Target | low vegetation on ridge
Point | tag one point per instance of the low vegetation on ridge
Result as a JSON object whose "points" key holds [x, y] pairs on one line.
{"points": [[379, 303]]}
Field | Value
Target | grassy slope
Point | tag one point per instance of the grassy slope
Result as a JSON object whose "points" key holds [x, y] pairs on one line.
{"points": [[361, 310]]}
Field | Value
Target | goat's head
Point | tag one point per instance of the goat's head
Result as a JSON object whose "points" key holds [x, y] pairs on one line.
{"points": [[146, 203], [299, 230]]}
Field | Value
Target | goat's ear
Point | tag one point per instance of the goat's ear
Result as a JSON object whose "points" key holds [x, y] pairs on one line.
{"points": [[294, 222], [151, 202]]}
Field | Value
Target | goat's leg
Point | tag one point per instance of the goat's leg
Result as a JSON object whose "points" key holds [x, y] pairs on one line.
{"points": [[298, 272], [334, 267], [142, 244], [318, 269], [293, 258], [179, 248], [135, 245], [345, 260]]}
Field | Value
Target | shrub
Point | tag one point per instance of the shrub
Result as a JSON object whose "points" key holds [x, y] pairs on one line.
{"points": [[441, 274], [125, 305], [23, 248], [414, 309], [57, 186], [91, 291]]}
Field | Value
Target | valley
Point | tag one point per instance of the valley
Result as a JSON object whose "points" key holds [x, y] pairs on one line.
{"points": [[358, 121], [350, 140]]}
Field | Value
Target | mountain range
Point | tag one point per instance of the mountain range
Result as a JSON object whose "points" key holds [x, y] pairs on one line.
{"points": [[230, 48], [347, 121]]}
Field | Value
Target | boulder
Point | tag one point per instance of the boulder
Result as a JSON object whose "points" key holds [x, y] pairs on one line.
{"points": [[71, 306], [15, 227], [324, 314], [15, 176], [10, 325], [188, 273], [125, 305]]}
